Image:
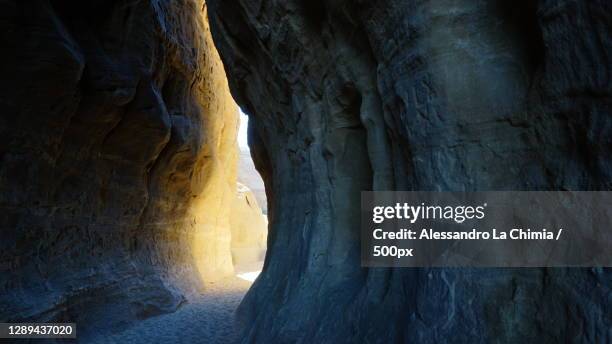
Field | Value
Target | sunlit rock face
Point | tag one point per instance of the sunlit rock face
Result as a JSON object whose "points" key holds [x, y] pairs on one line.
{"points": [[249, 228], [118, 155], [346, 96], [248, 175]]}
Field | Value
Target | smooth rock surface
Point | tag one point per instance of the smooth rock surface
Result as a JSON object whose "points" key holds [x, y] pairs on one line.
{"points": [[249, 228], [117, 160], [345, 96]]}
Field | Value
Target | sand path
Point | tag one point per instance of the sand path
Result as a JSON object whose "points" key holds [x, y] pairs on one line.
{"points": [[208, 319]]}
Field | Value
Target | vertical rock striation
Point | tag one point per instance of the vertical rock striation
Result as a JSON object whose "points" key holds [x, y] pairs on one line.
{"points": [[346, 96], [117, 159]]}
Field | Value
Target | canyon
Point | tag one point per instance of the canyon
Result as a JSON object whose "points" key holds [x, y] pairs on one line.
{"points": [[118, 161], [119, 195]]}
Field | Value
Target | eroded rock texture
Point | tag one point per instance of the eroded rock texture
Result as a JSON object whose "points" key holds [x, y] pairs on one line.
{"points": [[117, 159], [346, 96]]}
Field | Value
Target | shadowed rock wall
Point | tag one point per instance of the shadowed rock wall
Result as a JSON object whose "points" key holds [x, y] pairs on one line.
{"points": [[346, 96], [117, 159]]}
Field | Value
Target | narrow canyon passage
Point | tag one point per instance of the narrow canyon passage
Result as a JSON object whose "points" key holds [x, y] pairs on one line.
{"points": [[125, 194], [130, 205], [208, 316]]}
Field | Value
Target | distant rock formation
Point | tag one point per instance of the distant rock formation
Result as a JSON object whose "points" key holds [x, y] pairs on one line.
{"points": [[249, 228], [248, 175], [345, 96], [117, 160]]}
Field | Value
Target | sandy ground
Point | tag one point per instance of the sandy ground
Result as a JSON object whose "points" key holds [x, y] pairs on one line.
{"points": [[208, 320]]}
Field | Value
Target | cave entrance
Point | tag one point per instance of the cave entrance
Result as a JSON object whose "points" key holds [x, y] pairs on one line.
{"points": [[249, 220]]}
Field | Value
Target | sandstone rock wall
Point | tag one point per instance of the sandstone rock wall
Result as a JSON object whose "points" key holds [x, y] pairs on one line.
{"points": [[249, 228], [346, 96], [117, 159], [248, 175]]}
